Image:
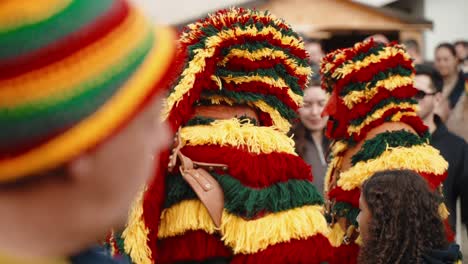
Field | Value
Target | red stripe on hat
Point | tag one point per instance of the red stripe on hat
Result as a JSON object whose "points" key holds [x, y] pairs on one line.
{"points": [[68, 45], [252, 170]]}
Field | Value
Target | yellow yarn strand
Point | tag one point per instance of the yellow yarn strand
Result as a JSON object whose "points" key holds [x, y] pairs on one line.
{"points": [[279, 122], [378, 114], [336, 235], [355, 97], [232, 133], [443, 211], [198, 63], [136, 234], [241, 235], [266, 53], [421, 158], [386, 53], [268, 80]]}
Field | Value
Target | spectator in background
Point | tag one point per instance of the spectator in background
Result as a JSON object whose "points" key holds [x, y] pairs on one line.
{"points": [[314, 48], [461, 47], [446, 63], [400, 221], [453, 148], [378, 38], [311, 143], [413, 49]]}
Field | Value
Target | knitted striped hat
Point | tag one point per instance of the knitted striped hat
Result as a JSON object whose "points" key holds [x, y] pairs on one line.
{"points": [[370, 83], [241, 56], [71, 74]]}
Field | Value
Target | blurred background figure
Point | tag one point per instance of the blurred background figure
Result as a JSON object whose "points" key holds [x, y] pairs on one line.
{"points": [[413, 49], [461, 47], [311, 143], [452, 147], [316, 53]]}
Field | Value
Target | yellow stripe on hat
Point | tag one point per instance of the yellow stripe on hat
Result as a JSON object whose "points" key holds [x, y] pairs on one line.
{"points": [[420, 158], [279, 83], [391, 83], [379, 113], [230, 132], [266, 53], [17, 13], [198, 63], [386, 53], [245, 236], [60, 79], [106, 120]]}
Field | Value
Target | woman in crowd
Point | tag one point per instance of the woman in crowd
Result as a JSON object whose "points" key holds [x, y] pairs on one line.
{"points": [[400, 221], [309, 136]]}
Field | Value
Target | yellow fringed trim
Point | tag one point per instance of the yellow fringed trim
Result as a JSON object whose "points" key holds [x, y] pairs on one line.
{"points": [[268, 80], [59, 80], [359, 240], [397, 117], [279, 121], [336, 235], [421, 158], [198, 63], [443, 211], [188, 215], [136, 233], [241, 235], [230, 132], [336, 149], [388, 52], [366, 95], [15, 14], [266, 53], [378, 114]]}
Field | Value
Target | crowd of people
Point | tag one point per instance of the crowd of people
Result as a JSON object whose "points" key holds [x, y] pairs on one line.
{"points": [[233, 141]]}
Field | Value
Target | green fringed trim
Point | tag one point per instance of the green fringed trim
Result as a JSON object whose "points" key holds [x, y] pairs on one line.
{"points": [[360, 86], [119, 241], [374, 147], [279, 71], [380, 105], [372, 51], [201, 120], [210, 31], [343, 209], [245, 97], [254, 46], [249, 202]]}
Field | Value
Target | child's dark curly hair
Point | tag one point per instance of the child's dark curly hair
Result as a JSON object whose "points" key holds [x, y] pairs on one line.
{"points": [[405, 218]]}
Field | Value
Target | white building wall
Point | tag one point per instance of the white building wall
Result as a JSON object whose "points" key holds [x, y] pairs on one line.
{"points": [[450, 18]]}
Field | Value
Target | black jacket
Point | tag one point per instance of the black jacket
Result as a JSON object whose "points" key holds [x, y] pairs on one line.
{"points": [[451, 255], [455, 150]]}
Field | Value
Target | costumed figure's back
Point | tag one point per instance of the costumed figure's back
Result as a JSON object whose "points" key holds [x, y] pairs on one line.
{"points": [[232, 106], [374, 125]]}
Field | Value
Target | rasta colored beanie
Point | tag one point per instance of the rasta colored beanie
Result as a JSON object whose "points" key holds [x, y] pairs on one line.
{"points": [[72, 72]]}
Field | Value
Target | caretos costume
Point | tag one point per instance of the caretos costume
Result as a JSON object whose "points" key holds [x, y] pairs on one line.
{"points": [[374, 125], [235, 190]]}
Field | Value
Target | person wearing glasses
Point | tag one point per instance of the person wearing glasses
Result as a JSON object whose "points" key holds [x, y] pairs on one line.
{"points": [[452, 147]]}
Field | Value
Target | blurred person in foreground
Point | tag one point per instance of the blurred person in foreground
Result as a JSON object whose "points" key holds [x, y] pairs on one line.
{"points": [[374, 126], [80, 89], [400, 222], [309, 133], [453, 148]]}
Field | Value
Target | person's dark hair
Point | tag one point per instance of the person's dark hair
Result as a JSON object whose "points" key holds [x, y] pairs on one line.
{"points": [[461, 42], [448, 46], [436, 79], [411, 44], [405, 220]]}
